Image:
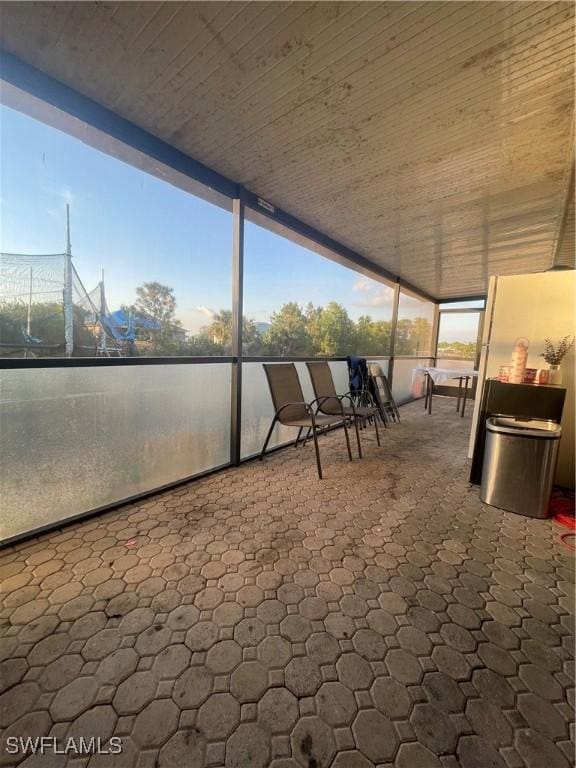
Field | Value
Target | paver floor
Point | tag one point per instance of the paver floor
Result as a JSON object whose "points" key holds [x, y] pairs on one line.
{"points": [[259, 617]]}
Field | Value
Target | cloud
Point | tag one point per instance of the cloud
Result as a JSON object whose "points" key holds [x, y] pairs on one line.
{"points": [[372, 294], [206, 311]]}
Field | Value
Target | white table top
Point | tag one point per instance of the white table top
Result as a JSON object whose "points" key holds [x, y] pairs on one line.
{"points": [[440, 375]]}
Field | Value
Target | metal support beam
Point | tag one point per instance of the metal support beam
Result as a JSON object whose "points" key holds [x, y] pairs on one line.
{"points": [[393, 323], [237, 313], [435, 332]]}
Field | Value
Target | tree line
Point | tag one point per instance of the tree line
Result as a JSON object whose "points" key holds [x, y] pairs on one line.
{"points": [[293, 330]]}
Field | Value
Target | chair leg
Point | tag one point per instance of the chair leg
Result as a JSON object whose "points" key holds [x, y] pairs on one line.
{"points": [[465, 396], [306, 437], [377, 433], [298, 437], [268, 436], [358, 438], [430, 398], [347, 439], [318, 464]]}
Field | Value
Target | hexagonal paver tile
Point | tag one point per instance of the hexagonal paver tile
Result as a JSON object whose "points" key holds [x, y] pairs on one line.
{"points": [[393, 603], [153, 640], [155, 724], [48, 649], [134, 693], [16, 702], [296, 628], [473, 752], [493, 687], [313, 608], [249, 632], [354, 671], [542, 716], [538, 751], [182, 617], [540, 682], [416, 756], [218, 716], [382, 622], [339, 626], [73, 699], [375, 736], [60, 672], [192, 687], [278, 710], [403, 666], [434, 729], [313, 742], [11, 672], [228, 614], [249, 745], [98, 721], [497, 659], [302, 676], [171, 662], [250, 596], [336, 704], [369, 644], [117, 667], [451, 662], [249, 681], [414, 640], [271, 611], [224, 656], [391, 698], [443, 692], [202, 636], [186, 747], [274, 652], [322, 648], [351, 759]]}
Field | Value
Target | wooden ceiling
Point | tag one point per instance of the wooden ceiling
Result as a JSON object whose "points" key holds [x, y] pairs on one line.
{"points": [[434, 138]]}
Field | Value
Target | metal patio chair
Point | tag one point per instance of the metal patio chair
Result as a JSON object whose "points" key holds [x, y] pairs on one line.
{"points": [[383, 392], [293, 411], [331, 403]]}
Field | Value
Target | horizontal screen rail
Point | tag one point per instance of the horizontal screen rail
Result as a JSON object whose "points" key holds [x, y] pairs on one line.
{"points": [[104, 362]]}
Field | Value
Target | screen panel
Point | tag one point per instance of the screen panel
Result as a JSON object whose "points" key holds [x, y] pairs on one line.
{"points": [[100, 258], [299, 302], [75, 439]]}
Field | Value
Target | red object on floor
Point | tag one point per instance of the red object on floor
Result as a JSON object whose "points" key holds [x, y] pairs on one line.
{"points": [[563, 511]]}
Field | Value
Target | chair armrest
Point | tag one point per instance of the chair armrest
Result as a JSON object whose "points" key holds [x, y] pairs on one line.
{"points": [[298, 402], [321, 400]]}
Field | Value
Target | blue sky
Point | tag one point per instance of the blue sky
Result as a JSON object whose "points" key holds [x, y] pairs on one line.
{"points": [[139, 228]]}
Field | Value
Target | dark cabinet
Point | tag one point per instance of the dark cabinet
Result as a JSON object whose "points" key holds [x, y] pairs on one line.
{"points": [[528, 401]]}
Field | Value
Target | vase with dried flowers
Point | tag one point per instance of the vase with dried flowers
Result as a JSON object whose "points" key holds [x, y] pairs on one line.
{"points": [[554, 354]]}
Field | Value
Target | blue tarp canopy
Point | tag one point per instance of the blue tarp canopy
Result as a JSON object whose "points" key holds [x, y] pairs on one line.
{"points": [[123, 319]]}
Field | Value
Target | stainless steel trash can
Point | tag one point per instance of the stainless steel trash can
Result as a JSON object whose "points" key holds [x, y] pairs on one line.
{"points": [[519, 463]]}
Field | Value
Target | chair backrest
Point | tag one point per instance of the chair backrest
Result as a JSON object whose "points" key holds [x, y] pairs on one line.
{"points": [[322, 381], [285, 388], [381, 382]]}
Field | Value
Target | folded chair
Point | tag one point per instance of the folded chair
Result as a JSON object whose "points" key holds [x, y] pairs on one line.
{"points": [[293, 411], [383, 392], [331, 403]]}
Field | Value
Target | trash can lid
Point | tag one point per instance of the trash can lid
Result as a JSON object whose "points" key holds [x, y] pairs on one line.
{"points": [[513, 425]]}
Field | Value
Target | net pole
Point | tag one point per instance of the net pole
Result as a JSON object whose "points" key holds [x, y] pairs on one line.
{"points": [[68, 308], [103, 350], [29, 313]]}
